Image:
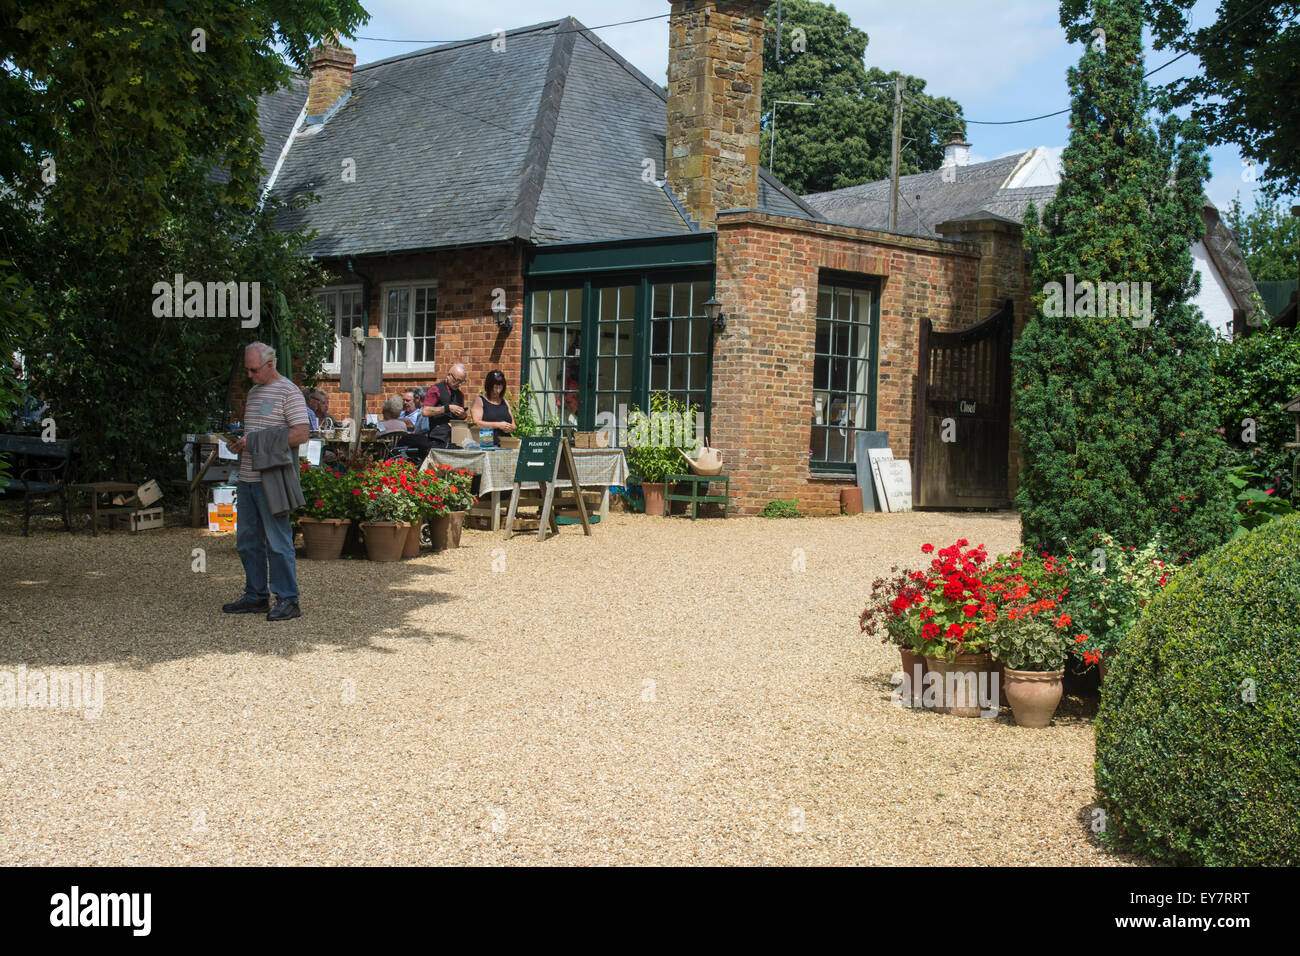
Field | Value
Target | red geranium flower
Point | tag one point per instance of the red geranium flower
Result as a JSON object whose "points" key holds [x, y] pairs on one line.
{"points": [[927, 549]]}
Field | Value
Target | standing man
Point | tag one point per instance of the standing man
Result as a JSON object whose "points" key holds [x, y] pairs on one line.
{"points": [[442, 403], [275, 424]]}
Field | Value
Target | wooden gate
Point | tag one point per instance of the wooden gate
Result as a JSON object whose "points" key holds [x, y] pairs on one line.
{"points": [[962, 424]]}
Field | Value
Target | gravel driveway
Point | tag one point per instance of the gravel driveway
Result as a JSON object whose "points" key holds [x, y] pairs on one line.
{"points": [[663, 692]]}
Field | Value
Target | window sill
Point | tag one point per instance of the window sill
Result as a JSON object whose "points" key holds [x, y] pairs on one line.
{"points": [[833, 476]]}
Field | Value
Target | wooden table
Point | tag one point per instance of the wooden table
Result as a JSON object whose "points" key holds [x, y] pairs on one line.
{"points": [[97, 488]]}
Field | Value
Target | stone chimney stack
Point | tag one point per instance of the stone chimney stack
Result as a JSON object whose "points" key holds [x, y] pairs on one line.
{"points": [[715, 75], [956, 152], [331, 77]]}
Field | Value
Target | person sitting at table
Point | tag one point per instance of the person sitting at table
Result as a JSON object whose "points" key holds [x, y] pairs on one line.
{"points": [[490, 410], [393, 420], [318, 403], [312, 421]]}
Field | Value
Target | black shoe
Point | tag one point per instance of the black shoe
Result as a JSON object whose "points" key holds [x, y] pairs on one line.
{"points": [[284, 610], [246, 605]]}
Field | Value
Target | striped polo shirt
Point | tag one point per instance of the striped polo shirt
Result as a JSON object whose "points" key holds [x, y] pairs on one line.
{"points": [[276, 404]]}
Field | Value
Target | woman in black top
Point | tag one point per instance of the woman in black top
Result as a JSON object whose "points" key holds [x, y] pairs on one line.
{"points": [[490, 409]]}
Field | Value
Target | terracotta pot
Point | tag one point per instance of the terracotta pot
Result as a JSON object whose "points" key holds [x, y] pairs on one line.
{"points": [[913, 677], [455, 523], [962, 683], [1033, 695], [412, 547], [654, 498], [851, 501], [440, 528], [324, 537], [385, 540]]}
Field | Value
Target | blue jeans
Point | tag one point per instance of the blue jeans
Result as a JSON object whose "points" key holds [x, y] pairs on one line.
{"points": [[259, 535]]}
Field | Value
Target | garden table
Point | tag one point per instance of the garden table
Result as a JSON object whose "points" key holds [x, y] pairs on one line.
{"points": [[598, 467], [95, 509]]}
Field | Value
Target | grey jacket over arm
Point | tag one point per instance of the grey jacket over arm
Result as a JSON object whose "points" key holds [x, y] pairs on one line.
{"points": [[272, 456]]}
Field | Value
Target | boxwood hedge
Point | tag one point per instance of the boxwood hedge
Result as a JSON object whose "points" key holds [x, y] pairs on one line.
{"points": [[1198, 733]]}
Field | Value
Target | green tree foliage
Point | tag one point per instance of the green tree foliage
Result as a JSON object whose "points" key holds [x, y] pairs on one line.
{"points": [[1247, 91], [1117, 431], [1269, 238], [844, 139], [1253, 377], [1198, 733], [132, 155]]}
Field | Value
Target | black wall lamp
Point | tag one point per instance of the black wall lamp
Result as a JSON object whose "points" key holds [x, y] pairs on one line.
{"points": [[713, 309]]}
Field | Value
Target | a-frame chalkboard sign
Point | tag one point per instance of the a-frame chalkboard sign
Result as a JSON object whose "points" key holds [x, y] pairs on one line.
{"points": [[542, 460]]}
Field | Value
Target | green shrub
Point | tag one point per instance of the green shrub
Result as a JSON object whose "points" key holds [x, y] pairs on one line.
{"points": [[778, 508], [1198, 734]]}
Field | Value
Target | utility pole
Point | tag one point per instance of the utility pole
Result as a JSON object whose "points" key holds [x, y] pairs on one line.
{"points": [[893, 154]]}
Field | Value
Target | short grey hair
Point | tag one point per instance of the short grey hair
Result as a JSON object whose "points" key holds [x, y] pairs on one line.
{"points": [[393, 406], [265, 352]]}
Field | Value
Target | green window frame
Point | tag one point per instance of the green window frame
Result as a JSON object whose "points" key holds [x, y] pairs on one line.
{"points": [[639, 342], [845, 369]]}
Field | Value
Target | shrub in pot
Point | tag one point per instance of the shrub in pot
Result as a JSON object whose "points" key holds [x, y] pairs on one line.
{"points": [[1109, 587], [330, 505], [1198, 733], [651, 459]]}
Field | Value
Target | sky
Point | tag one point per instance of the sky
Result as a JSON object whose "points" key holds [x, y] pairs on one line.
{"points": [[1000, 59]]}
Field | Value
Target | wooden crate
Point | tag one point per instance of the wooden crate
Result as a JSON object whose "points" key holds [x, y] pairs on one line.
{"points": [[144, 519]]}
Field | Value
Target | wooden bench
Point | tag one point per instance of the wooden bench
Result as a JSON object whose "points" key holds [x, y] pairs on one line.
{"points": [[695, 495], [40, 469]]}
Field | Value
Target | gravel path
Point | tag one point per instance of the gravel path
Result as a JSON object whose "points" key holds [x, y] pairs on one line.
{"points": [[664, 692]]}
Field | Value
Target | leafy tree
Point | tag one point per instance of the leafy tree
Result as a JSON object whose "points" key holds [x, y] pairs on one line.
{"points": [[1117, 432], [1269, 238], [132, 155], [1254, 376], [844, 139], [1248, 89]]}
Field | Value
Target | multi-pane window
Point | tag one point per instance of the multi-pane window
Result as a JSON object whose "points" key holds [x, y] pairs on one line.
{"points": [[347, 312], [615, 359], [679, 341], [410, 311], [843, 367], [555, 354]]}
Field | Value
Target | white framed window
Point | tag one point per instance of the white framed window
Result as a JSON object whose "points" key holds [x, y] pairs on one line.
{"points": [[409, 324], [344, 306]]}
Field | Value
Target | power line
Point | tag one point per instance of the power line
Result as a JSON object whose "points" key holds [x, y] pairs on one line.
{"points": [[1149, 73], [489, 39]]}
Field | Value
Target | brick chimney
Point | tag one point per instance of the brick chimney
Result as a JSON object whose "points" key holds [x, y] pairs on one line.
{"points": [[956, 152], [331, 77], [715, 75]]}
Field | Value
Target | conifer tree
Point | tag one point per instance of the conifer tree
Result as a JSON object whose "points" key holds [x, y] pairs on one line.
{"points": [[1113, 403]]}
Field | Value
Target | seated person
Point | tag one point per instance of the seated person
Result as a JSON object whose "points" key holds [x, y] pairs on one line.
{"points": [[393, 420], [312, 421], [490, 410], [318, 403]]}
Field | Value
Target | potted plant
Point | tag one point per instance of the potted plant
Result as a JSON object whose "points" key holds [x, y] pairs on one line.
{"points": [[651, 459], [327, 515], [525, 416], [887, 616], [392, 508], [457, 498], [1110, 586], [1029, 633]]}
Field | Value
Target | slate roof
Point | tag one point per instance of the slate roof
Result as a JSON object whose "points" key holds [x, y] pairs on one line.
{"points": [[926, 200], [973, 188], [277, 113], [458, 145]]}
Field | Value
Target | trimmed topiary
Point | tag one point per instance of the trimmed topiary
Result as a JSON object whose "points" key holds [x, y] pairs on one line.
{"points": [[1198, 734]]}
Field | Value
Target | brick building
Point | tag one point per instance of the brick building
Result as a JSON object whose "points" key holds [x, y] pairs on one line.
{"points": [[532, 202]]}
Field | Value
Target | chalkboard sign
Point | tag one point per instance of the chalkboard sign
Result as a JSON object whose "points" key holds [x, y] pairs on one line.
{"points": [[537, 459]]}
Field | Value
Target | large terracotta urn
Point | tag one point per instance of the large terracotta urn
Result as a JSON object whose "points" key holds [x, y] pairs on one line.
{"points": [[1033, 695], [385, 540], [323, 537]]}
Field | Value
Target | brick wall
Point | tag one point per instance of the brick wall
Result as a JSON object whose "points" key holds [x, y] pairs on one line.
{"points": [[763, 363], [466, 327]]}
